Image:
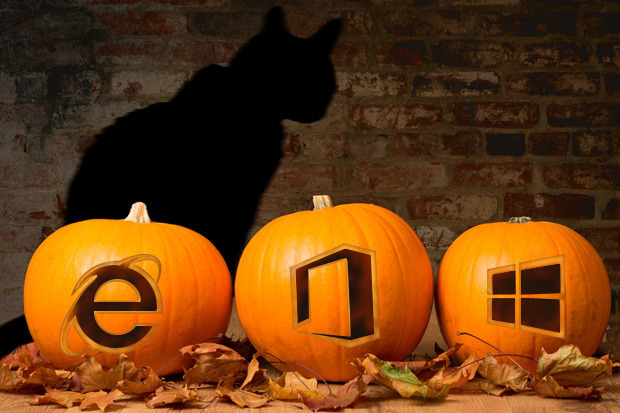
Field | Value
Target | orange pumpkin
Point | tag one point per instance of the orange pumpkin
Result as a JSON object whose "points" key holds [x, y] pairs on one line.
{"points": [[319, 288], [128, 286], [522, 286]]}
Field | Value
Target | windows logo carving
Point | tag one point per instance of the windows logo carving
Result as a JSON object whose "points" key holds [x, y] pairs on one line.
{"points": [[346, 278]]}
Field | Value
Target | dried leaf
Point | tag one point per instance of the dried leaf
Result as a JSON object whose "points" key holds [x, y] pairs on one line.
{"points": [[213, 362], [62, 397], [289, 384], [26, 357], [92, 377], [455, 376], [401, 380], [46, 377], [141, 387], [506, 375], [255, 381], [10, 380], [344, 396], [244, 398], [489, 387], [442, 360], [549, 387], [569, 367], [172, 393], [100, 398]]}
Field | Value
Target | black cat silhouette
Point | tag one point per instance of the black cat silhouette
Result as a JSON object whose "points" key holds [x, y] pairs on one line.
{"points": [[203, 159]]}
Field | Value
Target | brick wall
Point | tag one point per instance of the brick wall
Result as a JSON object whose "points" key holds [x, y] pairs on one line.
{"points": [[450, 113]]}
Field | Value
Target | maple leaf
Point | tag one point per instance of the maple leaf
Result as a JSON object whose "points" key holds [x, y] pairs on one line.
{"points": [[255, 381], [288, 385], [401, 380], [213, 362], [507, 375], [26, 357], [46, 377], [10, 380], [144, 386], [442, 360], [100, 398], [569, 367], [62, 397], [549, 387], [92, 377], [455, 376], [172, 393], [242, 398], [346, 395]]}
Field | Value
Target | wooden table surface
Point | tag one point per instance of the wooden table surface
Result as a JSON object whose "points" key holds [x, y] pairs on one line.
{"points": [[376, 398]]}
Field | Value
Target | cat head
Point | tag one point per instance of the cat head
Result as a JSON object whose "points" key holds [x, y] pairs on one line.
{"points": [[293, 76]]}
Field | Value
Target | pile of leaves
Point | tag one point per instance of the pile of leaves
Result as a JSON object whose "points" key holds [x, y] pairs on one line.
{"points": [[241, 380]]}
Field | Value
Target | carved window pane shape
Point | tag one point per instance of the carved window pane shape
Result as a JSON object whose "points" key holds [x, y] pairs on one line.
{"points": [[503, 310], [541, 313]]}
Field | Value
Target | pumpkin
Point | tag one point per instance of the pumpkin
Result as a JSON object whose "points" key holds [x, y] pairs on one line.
{"points": [[319, 288], [522, 286], [129, 286]]}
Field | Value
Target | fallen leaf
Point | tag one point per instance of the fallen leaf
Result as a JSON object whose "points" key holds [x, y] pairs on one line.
{"points": [[92, 377], [144, 386], [244, 398], [62, 397], [288, 385], [442, 360], [46, 377], [401, 380], [255, 381], [213, 362], [549, 387], [507, 375], [172, 393], [10, 380], [569, 367], [100, 398], [346, 395], [455, 376]]}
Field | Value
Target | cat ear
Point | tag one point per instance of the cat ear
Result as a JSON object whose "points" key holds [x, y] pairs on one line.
{"points": [[274, 21], [327, 34]]}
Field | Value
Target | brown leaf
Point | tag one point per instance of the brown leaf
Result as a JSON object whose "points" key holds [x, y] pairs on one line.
{"points": [[344, 396], [244, 398], [45, 376], [507, 375], [288, 385], [62, 397], [416, 366], [93, 378], [549, 387], [255, 381], [100, 398], [569, 367], [143, 386], [213, 362], [455, 376], [10, 380], [172, 393]]}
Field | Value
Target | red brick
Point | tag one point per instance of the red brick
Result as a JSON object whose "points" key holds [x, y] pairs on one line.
{"points": [[363, 84], [593, 143], [556, 83], [27, 207], [147, 83], [608, 53], [505, 144], [419, 144], [46, 23], [400, 54], [143, 23], [309, 177], [128, 52], [397, 176], [602, 23], [271, 207], [554, 54], [613, 269], [605, 240], [549, 143], [530, 23], [224, 23], [487, 174], [314, 145], [303, 23], [202, 53], [368, 146], [549, 206], [396, 116], [452, 207], [27, 175], [582, 176], [436, 238], [207, 3], [612, 209], [455, 84], [584, 114], [29, 55], [357, 22], [416, 22], [22, 238], [472, 53], [349, 54], [496, 114]]}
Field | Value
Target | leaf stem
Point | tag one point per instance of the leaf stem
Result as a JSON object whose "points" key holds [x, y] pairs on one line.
{"points": [[491, 345]]}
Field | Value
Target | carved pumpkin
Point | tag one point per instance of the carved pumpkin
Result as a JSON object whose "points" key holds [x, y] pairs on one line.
{"points": [[129, 286], [522, 286], [321, 287]]}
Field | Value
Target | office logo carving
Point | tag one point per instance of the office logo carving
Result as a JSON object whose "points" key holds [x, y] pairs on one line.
{"points": [[334, 296], [529, 296], [82, 314]]}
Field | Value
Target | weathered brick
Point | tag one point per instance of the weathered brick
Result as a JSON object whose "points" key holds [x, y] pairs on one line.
{"points": [[27, 175], [495, 114], [24, 207], [35, 54], [147, 83], [138, 52], [489, 174], [612, 265], [455, 84], [398, 176], [368, 146], [143, 23], [349, 54], [549, 143], [201, 53], [80, 86], [49, 22], [386, 202], [308, 177], [400, 54], [452, 207], [8, 88], [31, 87], [602, 23], [507, 144], [305, 23], [612, 209], [549, 206], [605, 240], [357, 22], [223, 23], [554, 83], [612, 84], [593, 143], [554, 54], [396, 116], [436, 238], [271, 207], [582, 176], [584, 114], [464, 144], [412, 22], [314, 145], [608, 53], [364, 84], [22, 238], [204, 3], [472, 53], [530, 23]]}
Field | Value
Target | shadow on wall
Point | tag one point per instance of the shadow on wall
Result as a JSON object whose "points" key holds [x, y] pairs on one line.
{"points": [[203, 159]]}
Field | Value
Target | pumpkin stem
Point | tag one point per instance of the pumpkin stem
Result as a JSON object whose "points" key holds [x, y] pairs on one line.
{"points": [[321, 201], [519, 220], [139, 214]]}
